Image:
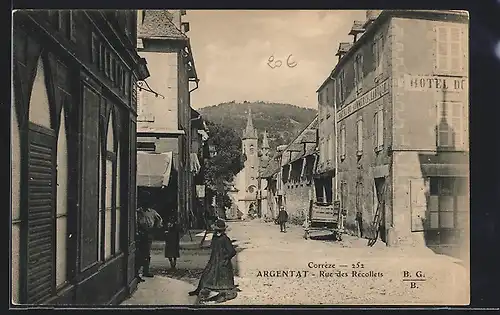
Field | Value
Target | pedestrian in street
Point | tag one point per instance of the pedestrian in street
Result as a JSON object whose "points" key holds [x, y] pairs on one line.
{"points": [[217, 279], [359, 221], [147, 219], [282, 219], [172, 242]]}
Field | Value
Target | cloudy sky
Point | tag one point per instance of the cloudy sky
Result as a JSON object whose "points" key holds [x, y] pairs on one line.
{"points": [[232, 49]]}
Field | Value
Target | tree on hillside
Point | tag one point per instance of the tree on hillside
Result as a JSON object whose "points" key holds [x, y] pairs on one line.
{"points": [[221, 168]]}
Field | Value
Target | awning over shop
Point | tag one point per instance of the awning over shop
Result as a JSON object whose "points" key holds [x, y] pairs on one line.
{"points": [[153, 169]]}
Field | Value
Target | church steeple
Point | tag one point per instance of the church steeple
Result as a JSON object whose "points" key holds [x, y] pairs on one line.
{"points": [[249, 132], [265, 148], [265, 141]]}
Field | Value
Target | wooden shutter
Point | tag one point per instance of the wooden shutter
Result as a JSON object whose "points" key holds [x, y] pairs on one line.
{"points": [[455, 49], [443, 133], [41, 214], [359, 132], [380, 129], [456, 118], [72, 26]]}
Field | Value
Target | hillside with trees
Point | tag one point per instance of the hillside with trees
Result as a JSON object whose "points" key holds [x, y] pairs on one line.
{"points": [[283, 122]]}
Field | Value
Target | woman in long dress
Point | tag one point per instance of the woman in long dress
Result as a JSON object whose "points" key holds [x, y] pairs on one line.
{"points": [[217, 278]]}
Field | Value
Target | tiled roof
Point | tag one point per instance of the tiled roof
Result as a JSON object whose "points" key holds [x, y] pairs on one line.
{"points": [[309, 136], [158, 23], [271, 168]]}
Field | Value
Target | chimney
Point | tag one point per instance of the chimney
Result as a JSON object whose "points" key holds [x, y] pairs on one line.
{"points": [[343, 49], [371, 15], [357, 28], [185, 27]]}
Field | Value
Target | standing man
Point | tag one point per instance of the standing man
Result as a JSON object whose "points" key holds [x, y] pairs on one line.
{"points": [[147, 219], [282, 219]]}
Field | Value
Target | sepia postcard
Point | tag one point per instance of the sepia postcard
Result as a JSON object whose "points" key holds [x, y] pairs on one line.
{"points": [[240, 158]]}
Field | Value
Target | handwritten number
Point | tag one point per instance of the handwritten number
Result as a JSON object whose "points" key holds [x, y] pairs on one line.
{"points": [[292, 64], [271, 59], [278, 63]]}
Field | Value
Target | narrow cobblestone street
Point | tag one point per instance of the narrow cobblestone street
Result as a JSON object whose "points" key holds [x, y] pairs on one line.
{"points": [[368, 276]]}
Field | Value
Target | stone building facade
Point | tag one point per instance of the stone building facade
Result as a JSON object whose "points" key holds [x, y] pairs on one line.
{"points": [[401, 99], [289, 176], [165, 117], [73, 156]]}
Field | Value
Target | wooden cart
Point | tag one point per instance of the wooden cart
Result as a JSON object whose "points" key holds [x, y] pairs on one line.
{"points": [[324, 217]]}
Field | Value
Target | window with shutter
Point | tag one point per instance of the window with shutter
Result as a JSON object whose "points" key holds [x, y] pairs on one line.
{"points": [[449, 50], [341, 86], [72, 26], [450, 125], [359, 136], [41, 213], [62, 203], [90, 179], [358, 72], [342, 142], [380, 55], [380, 129]]}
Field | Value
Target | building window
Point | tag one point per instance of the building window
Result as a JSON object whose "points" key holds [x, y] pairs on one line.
{"points": [[341, 89], [109, 191], [448, 204], [320, 98], [251, 149], [379, 130], [118, 226], [327, 93], [359, 136], [450, 125], [342, 142], [72, 26], [102, 57], [450, 50], [378, 53], [107, 64], [94, 49], [358, 72], [62, 203], [90, 178]]}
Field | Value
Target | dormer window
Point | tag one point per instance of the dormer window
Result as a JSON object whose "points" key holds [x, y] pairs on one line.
{"points": [[357, 28]]}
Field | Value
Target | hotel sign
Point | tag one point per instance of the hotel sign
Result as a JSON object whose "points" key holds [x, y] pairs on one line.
{"points": [[366, 99], [441, 83]]}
